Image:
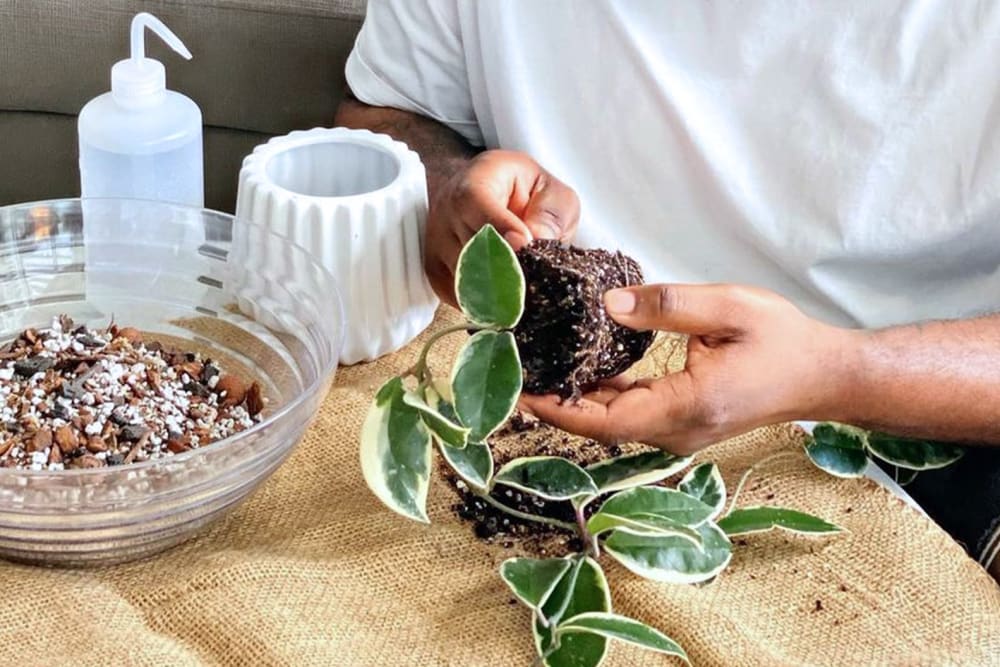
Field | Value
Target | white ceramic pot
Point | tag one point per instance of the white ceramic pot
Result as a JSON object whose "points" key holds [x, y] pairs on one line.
{"points": [[358, 201]]}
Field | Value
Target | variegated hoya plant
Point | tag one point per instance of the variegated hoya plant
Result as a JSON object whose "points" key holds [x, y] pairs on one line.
{"points": [[676, 535]]}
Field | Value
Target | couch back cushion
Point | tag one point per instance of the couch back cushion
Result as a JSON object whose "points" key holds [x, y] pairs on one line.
{"points": [[260, 68], [261, 65]]}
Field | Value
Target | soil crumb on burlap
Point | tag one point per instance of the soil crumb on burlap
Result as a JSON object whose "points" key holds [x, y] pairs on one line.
{"points": [[566, 339], [524, 436]]}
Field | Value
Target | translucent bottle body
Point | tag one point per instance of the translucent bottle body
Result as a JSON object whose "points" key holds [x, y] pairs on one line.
{"points": [[151, 151]]}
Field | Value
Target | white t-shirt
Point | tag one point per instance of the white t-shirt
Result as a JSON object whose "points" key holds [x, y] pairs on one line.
{"points": [[845, 154]]}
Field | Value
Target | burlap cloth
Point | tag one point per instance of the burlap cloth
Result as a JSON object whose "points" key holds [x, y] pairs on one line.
{"points": [[313, 571]]}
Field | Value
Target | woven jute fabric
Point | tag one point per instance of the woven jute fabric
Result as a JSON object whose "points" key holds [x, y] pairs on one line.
{"points": [[314, 571]]}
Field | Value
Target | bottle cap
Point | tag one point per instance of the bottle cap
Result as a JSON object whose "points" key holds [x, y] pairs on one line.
{"points": [[140, 81]]}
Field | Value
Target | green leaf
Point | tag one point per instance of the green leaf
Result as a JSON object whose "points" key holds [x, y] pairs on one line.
{"points": [[549, 477], [486, 382], [623, 629], [489, 283], [631, 470], [563, 595], [641, 524], [582, 589], [705, 483], [396, 453], [913, 454], [763, 518], [532, 580], [838, 449], [473, 463], [669, 504], [440, 425], [672, 559], [440, 398]]}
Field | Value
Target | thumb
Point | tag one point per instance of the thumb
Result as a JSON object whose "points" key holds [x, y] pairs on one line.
{"points": [[700, 310], [553, 210]]}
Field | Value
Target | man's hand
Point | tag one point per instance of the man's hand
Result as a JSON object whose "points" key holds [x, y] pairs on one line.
{"points": [[506, 189], [468, 189], [753, 359]]}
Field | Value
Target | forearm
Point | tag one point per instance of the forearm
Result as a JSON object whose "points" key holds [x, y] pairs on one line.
{"points": [[938, 380], [442, 150]]}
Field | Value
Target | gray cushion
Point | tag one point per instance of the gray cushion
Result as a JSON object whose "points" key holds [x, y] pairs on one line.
{"points": [[39, 155], [261, 66]]}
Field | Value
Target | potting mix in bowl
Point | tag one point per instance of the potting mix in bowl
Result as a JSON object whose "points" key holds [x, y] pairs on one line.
{"points": [[75, 397]]}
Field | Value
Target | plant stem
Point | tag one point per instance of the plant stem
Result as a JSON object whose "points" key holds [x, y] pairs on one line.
{"points": [[581, 525], [555, 523], [419, 369], [746, 476]]}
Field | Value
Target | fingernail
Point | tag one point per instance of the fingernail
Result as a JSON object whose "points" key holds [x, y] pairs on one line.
{"points": [[544, 231], [619, 301]]}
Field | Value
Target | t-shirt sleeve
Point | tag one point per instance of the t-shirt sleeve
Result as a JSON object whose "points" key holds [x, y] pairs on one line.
{"points": [[409, 56]]}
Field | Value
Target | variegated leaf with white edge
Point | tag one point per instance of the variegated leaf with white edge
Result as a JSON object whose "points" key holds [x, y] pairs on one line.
{"points": [[582, 589], [532, 580], [762, 518], [396, 453], [444, 428], [641, 524], [550, 477], [671, 504], [489, 283], [672, 559], [486, 382], [630, 470], [913, 454], [838, 449], [705, 483], [473, 463], [624, 629]]}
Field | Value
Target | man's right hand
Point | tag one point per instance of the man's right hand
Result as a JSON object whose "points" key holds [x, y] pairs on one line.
{"points": [[506, 189]]}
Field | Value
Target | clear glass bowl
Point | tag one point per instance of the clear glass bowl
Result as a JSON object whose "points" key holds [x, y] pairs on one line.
{"points": [[190, 277]]}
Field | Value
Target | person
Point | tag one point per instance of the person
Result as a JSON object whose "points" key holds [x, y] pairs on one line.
{"points": [[812, 188]]}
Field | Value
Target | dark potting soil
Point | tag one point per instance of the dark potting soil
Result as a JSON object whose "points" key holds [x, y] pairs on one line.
{"points": [[526, 436], [566, 339]]}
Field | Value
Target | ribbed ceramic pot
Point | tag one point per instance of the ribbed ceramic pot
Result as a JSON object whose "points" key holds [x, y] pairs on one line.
{"points": [[357, 201]]}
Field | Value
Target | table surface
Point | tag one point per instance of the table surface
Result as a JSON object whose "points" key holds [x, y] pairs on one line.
{"points": [[314, 571]]}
